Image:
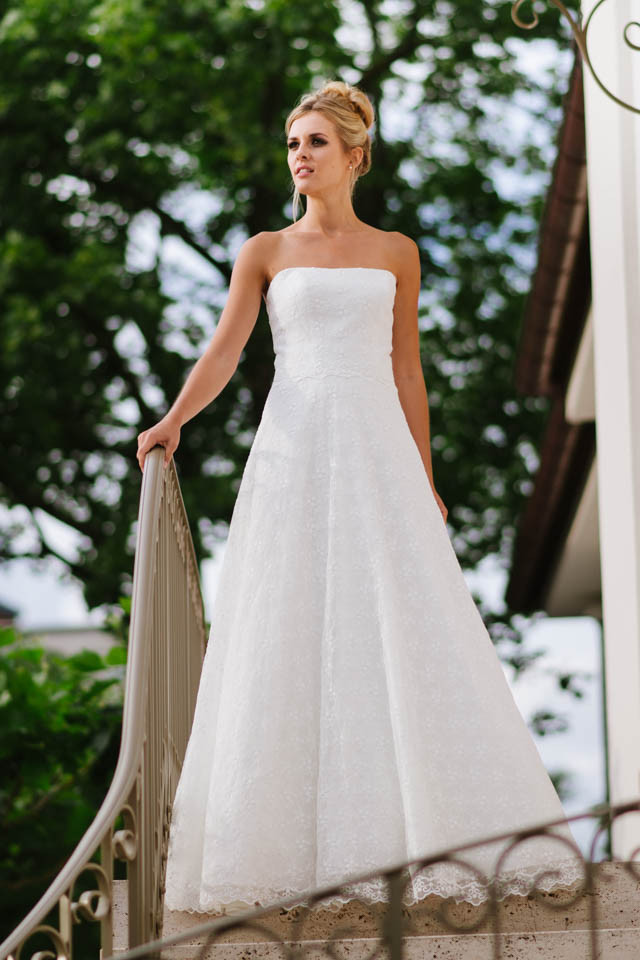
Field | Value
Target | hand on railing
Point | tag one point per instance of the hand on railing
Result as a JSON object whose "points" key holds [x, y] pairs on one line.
{"points": [[165, 433]]}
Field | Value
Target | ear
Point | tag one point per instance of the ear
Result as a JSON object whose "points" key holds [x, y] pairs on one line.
{"points": [[356, 156]]}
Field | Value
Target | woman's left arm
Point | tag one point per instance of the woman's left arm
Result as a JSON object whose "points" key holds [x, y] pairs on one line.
{"points": [[405, 355]]}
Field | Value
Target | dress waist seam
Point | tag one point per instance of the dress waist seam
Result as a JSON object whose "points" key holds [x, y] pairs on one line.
{"points": [[282, 377]]}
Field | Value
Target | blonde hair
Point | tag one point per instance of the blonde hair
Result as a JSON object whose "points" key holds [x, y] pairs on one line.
{"points": [[352, 114]]}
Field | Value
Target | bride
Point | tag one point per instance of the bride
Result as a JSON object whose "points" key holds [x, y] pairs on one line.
{"points": [[352, 711]]}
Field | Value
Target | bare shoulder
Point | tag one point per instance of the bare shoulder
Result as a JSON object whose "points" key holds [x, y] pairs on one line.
{"points": [[257, 247], [404, 248], [404, 254], [255, 256], [267, 249], [400, 251]]}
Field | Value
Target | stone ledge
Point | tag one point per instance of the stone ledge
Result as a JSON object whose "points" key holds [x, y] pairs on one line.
{"points": [[544, 945], [617, 902]]}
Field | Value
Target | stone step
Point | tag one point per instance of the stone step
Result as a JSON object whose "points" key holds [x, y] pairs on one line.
{"points": [[619, 944], [616, 899]]}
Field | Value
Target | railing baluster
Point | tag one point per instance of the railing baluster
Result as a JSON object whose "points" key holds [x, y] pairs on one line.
{"points": [[159, 702]]}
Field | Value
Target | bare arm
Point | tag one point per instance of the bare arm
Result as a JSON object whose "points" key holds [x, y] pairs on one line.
{"points": [[405, 356], [217, 364]]}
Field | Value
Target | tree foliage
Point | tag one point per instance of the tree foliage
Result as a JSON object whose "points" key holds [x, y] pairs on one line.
{"points": [[141, 144], [60, 723]]}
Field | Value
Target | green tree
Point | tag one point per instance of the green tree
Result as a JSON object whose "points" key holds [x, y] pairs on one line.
{"points": [[60, 721], [123, 121]]}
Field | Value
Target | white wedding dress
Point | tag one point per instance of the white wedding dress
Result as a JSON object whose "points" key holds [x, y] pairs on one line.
{"points": [[352, 712]]}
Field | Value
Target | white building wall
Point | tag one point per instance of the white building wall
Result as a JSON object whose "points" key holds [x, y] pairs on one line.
{"points": [[613, 167]]}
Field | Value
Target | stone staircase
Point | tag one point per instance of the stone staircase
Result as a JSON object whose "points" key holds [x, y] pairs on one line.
{"points": [[530, 928]]}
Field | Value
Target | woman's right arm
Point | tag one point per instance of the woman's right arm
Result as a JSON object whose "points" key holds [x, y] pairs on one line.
{"points": [[217, 364]]}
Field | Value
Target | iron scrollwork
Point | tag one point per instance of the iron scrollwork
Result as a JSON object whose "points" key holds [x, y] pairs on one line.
{"points": [[125, 841], [60, 946], [580, 31], [92, 905], [385, 927], [95, 904]]}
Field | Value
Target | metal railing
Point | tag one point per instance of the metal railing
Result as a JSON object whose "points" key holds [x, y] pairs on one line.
{"points": [[166, 647], [580, 30], [599, 909]]}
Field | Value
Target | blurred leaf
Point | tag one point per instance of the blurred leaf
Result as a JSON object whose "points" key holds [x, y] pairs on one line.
{"points": [[544, 722], [86, 660], [116, 656]]}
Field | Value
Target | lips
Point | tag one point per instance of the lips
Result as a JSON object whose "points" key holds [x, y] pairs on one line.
{"points": [[303, 171]]}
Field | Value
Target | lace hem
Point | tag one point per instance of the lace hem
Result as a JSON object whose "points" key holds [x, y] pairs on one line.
{"points": [[451, 881]]}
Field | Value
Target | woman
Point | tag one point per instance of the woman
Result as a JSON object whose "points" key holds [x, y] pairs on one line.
{"points": [[352, 712]]}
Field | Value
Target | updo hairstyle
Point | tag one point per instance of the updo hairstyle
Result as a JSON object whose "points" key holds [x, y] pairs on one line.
{"points": [[351, 112]]}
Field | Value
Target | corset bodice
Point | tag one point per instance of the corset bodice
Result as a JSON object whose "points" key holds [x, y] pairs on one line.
{"points": [[332, 321]]}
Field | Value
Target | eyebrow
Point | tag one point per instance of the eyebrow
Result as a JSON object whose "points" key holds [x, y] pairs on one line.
{"points": [[317, 134]]}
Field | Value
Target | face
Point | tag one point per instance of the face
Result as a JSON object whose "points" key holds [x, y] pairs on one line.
{"points": [[316, 157]]}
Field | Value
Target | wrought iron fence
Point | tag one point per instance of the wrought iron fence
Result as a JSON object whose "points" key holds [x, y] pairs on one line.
{"points": [[579, 27], [166, 646], [595, 916]]}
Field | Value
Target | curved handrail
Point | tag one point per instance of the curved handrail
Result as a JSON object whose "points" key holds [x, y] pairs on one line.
{"points": [[157, 483]]}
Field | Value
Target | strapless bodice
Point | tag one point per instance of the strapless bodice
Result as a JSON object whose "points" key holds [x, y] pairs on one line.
{"points": [[332, 321]]}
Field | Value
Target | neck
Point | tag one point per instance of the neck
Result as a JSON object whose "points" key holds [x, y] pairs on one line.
{"points": [[330, 215]]}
